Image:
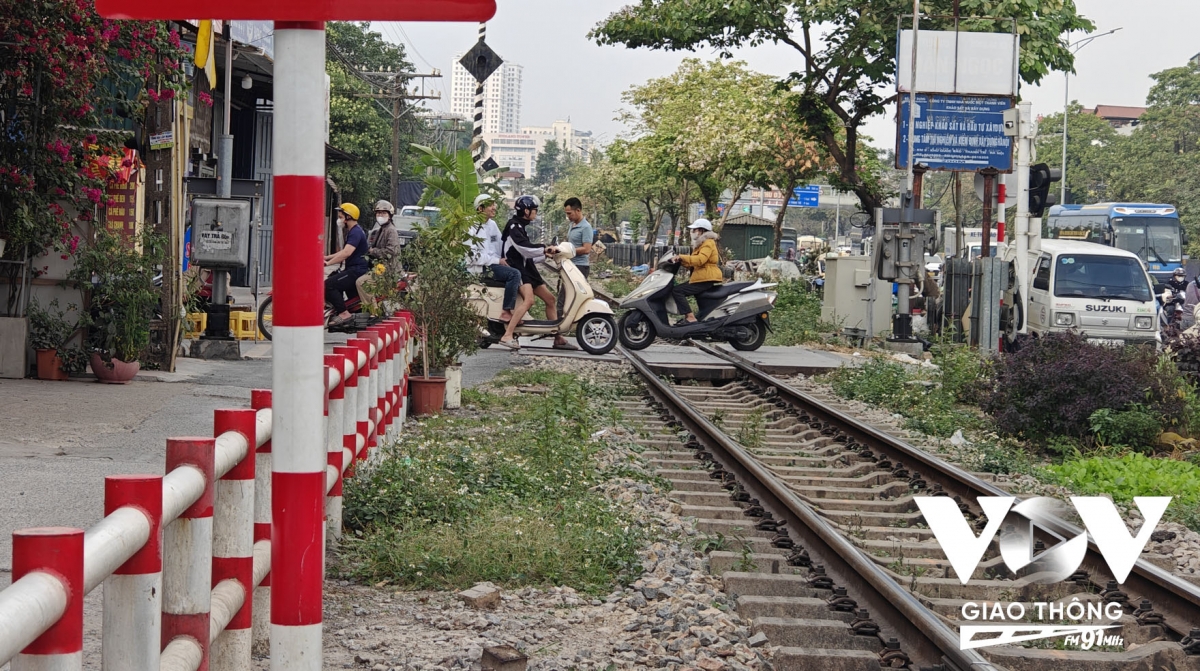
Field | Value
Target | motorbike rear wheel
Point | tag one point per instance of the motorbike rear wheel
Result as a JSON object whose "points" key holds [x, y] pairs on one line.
{"points": [[596, 334], [754, 339], [266, 317], [636, 336]]}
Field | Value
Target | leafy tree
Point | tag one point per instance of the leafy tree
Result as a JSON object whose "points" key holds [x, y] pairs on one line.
{"points": [[549, 164], [788, 155], [1161, 162], [1093, 152], [847, 52], [360, 125]]}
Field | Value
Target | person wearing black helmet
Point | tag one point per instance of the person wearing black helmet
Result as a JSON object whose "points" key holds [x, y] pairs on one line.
{"points": [[524, 255]]}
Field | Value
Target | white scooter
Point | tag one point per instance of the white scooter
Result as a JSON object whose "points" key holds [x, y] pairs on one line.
{"points": [[591, 319]]}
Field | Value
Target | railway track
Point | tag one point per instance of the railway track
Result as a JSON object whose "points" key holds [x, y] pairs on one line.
{"points": [[833, 560]]}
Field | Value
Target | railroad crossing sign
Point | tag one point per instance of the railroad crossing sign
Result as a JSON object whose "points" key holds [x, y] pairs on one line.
{"points": [[303, 10], [481, 61]]}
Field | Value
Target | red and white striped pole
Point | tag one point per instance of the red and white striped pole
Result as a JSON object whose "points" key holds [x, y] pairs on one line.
{"points": [[334, 445], [350, 411], [56, 552], [1000, 211], [394, 377], [298, 478], [187, 552], [132, 632], [233, 540], [260, 399], [379, 337], [364, 402]]}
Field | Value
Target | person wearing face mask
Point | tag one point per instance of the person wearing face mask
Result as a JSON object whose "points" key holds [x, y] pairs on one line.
{"points": [[705, 264], [383, 245], [354, 257]]}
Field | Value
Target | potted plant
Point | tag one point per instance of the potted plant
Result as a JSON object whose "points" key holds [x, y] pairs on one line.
{"points": [[117, 273], [447, 326], [439, 254], [49, 332]]}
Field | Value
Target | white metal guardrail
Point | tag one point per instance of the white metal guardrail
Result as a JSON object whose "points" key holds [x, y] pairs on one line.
{"points": [[186, 558]]}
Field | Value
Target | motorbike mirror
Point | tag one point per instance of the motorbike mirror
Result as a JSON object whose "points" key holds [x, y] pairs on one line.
{"points": [[860, 219]]}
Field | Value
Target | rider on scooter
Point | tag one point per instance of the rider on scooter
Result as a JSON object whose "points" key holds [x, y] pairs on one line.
{"points": [[487, 254], [354, 255], [523, 255], [705, 264]]}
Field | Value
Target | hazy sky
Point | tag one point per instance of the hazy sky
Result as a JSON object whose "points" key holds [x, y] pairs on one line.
{"points": [[567, 75]]}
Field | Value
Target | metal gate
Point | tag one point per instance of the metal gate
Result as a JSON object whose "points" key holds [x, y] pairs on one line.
{"points": [[263, 132]]}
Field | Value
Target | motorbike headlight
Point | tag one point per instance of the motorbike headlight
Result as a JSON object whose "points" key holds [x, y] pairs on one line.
{"points": [[1143, 322], [1064, 318]]}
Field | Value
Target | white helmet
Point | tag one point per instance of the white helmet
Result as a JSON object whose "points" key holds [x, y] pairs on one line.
{"points": [[702, 223], [483, 199], [384, 206]]}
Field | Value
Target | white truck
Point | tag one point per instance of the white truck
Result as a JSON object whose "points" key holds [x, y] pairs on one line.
{"points": [[972, 239], [1103, 292]]}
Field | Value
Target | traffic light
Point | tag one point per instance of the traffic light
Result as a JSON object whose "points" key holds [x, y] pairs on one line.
{"points": [[1041, 176]]}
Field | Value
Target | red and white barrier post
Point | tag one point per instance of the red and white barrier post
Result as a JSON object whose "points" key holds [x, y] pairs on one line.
{"points": [[132, 631], [1000, 211], [334, 446], [363, 402], [233, 541], [350, 412], [260, 399], [187, 552], [298, 477], [57, 553]]}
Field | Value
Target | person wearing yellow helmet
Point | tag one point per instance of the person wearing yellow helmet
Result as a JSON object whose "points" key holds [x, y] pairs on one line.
{"points": [[354, 257]]}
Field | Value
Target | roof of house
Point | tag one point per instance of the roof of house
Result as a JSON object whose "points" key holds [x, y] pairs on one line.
{"points": [[1117, 112]]}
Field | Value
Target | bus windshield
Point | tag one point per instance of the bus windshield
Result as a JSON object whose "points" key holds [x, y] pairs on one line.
{"points": [[1103, 277], [1152, 239]]}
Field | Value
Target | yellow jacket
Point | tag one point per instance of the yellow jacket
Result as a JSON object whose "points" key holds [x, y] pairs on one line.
{"points": [[705, 264]]}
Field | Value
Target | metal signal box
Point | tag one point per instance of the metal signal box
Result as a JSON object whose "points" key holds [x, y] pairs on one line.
{"points": [[220, 232]]}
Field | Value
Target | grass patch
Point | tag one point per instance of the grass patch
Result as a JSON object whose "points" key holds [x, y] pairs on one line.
{"points": [[1135, 474], [504, 496], [796, 319]]}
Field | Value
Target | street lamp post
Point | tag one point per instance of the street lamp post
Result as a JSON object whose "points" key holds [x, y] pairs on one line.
{"points": [[1074, 47]]}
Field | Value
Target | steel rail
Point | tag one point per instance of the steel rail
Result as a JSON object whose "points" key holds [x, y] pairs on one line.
{"points": [[1175, 598], [925, 638]]}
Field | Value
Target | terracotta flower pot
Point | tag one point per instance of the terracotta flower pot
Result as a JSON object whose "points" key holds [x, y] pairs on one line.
{"points": [[50, 365], [428, 394], [118, 372]]}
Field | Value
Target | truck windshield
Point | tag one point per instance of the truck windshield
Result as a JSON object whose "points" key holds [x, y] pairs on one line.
{"points": [[1103, 277]]}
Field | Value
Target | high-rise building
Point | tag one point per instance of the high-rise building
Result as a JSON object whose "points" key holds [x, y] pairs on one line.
{"points": [[501, 97]]}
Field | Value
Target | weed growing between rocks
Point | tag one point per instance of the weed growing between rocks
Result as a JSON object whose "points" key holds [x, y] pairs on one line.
{"points": [[508, 495], [796, 319], [1135, 474]]}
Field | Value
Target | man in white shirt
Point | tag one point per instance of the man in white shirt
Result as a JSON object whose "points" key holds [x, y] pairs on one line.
{"points": [[487, 254]]}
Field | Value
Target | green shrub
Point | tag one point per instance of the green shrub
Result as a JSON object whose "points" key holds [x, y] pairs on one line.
{"points": [[963, 373], [919, 396], [796, 318], [1136, 427], [1054, 384]]}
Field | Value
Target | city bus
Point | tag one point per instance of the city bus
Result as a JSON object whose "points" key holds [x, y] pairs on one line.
{"points": [[1150, 231]]}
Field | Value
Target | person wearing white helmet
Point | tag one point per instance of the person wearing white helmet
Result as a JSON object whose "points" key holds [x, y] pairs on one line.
{"points": [[383, 245], [705, 264], [487, 253]]}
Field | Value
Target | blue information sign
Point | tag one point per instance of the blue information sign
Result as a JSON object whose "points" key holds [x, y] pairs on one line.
{"points": [[806, 196], [959, 133]]}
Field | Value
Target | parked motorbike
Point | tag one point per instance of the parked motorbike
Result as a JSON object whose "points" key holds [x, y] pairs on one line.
{"points": [[736, 312], [591, 319]]}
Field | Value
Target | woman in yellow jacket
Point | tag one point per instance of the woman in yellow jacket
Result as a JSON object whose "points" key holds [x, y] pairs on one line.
{"points": [[705, 265]]}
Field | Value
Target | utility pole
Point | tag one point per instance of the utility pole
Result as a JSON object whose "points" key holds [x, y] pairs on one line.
{"points": [[393, 86], [1027, 240], [902, 327]]}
